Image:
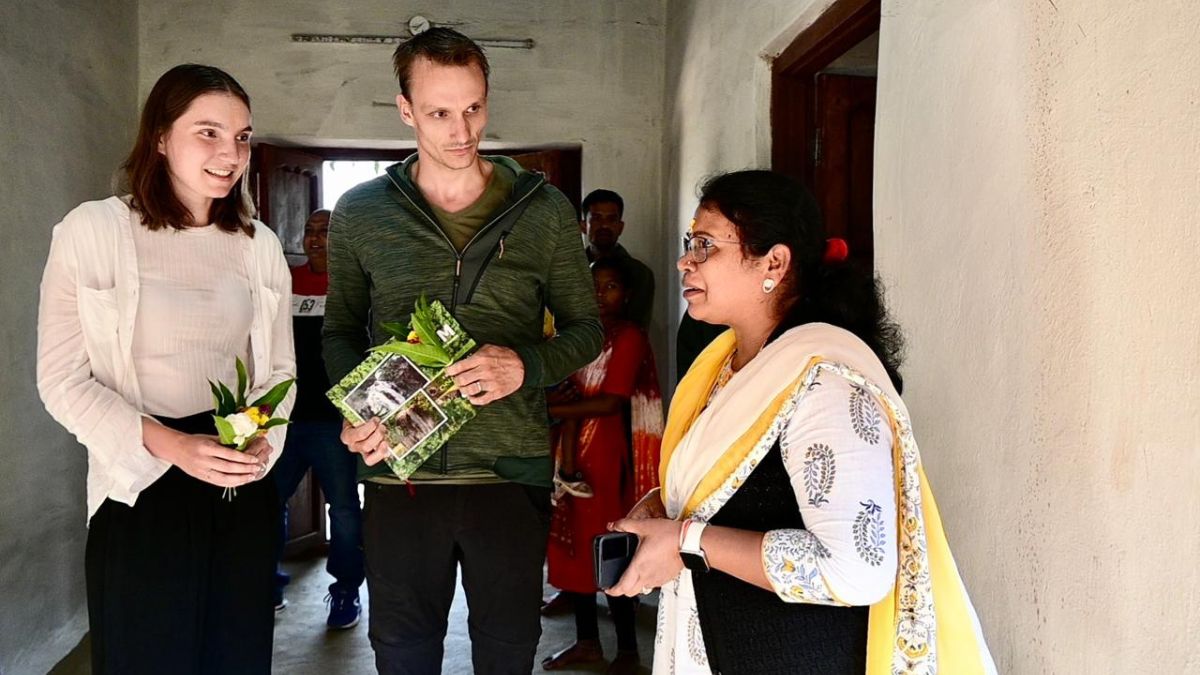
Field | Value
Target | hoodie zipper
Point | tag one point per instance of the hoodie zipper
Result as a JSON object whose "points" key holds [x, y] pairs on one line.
{"points": [[438, 228], [458, 255], [458, 258]]}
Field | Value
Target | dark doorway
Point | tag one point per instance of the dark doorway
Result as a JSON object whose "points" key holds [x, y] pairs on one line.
{"points": [[823, 118]]}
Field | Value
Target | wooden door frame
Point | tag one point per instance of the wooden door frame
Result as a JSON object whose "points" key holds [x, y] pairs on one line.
{"points": [[793, 86]]}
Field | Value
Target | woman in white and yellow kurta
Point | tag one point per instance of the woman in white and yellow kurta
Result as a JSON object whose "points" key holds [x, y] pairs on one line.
{"points": [[792, 487]]}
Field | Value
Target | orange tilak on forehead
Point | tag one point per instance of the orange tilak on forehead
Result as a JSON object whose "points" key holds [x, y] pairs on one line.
{"points": [[692, 225]]}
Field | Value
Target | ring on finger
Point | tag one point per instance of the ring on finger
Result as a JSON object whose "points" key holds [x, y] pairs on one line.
{"points": [[478, 388]]}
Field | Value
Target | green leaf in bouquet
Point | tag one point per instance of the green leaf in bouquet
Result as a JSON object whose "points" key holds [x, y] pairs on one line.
{"points": [[216, 397], [240, 402], [397, 329], [275, 395], [450, 334], [223, 399], [424, 326], [228, 399], [225, 432], [420, 354], [274, 422], [424, 333]]}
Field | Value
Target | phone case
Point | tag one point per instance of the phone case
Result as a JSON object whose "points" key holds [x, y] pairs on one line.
{"points": [[612, 553]]}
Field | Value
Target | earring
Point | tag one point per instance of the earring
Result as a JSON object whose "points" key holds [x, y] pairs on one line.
{"points": [[768, 285]]}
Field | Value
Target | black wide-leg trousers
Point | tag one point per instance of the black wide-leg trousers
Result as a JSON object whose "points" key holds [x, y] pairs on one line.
{"points": [[181, 582]]}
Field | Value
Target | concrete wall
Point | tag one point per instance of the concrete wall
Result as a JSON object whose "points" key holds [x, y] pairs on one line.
{"points": [[717, 103], [595, 78], [68, 112], [1036, 189], [1037, 184]]}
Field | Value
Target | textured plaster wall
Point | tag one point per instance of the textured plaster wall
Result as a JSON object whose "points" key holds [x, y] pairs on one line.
{"points": [[595, 79], [1037, 180], [717, 103], [68, 73], [1036, 193]]}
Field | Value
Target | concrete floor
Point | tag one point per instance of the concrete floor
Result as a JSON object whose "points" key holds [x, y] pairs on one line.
{"points": [[303, 645]]}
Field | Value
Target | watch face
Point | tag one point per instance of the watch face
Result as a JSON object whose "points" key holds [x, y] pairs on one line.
{"points": [[695, 562]]}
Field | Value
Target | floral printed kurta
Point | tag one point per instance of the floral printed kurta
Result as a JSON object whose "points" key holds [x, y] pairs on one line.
{"points": [[837, 448]]}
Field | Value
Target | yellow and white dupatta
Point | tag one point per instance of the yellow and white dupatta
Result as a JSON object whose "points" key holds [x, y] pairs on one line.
{"points": [[926, 624]]}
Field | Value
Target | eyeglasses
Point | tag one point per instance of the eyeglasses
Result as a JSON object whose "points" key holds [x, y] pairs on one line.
{"points": [[696, 248]]}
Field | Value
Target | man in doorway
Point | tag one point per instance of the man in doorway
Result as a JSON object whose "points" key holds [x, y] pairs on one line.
{"points": [[497, 246], [313, 439], [602, 219]]}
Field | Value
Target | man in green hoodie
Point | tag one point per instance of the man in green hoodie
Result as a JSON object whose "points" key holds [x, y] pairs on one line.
{"points": [[497, 246]]}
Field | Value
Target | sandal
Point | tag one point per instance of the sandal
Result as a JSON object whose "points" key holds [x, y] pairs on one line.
{"points": [[573, 485], [583, 651]]}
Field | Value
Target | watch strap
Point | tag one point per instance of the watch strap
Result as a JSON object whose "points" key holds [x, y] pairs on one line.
{"points": [[691, 536]]}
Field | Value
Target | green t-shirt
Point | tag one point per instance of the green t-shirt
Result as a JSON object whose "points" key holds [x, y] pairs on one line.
{"points": [[461, 226]]}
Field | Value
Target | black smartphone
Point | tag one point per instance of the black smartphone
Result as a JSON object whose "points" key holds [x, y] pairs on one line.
{"points": [[612, 552]]}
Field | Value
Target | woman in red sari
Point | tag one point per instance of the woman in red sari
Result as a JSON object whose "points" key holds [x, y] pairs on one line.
{"points": [[619, 428]]}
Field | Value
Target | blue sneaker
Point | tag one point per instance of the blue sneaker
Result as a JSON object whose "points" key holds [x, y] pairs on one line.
{"points": [[281, 579], [344, 609]]}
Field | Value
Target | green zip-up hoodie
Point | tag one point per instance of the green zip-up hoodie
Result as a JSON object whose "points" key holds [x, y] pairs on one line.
{"points": [[386, 249]]}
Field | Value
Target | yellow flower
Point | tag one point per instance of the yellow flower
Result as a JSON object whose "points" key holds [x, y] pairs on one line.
{"points": [[413, 338], [257, 416]]}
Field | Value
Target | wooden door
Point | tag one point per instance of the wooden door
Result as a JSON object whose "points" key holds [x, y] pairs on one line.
{"points": [[287, 183], [824, 123], [287, 188], [561, 167], [843, 161]]}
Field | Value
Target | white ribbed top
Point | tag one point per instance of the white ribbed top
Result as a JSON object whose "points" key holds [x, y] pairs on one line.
{"points": [[194, 314]]}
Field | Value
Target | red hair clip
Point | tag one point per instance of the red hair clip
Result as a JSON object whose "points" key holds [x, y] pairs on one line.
{"points": [[836, 251]]}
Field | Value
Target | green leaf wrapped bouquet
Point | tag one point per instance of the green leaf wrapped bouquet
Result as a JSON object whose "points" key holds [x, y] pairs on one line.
{"points": [[404, 383]]}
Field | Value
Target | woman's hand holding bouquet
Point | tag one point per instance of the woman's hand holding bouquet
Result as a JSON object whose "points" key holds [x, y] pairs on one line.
{"points": [[203, 458], [242, 427]]}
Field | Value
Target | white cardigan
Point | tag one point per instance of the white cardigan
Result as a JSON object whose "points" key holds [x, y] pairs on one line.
{"points": [[85, 370]]}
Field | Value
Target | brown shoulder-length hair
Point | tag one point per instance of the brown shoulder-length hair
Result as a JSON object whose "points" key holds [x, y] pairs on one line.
{"points": [[145, 170]]}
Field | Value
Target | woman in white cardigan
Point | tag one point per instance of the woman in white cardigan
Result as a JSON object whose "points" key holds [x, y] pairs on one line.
{"points": [[145, 298]]}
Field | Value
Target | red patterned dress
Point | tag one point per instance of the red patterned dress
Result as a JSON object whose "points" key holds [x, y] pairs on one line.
{"points": [[617, 454]]}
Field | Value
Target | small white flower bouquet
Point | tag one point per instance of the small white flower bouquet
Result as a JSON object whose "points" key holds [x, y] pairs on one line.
{"points": [[237, 423]]}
